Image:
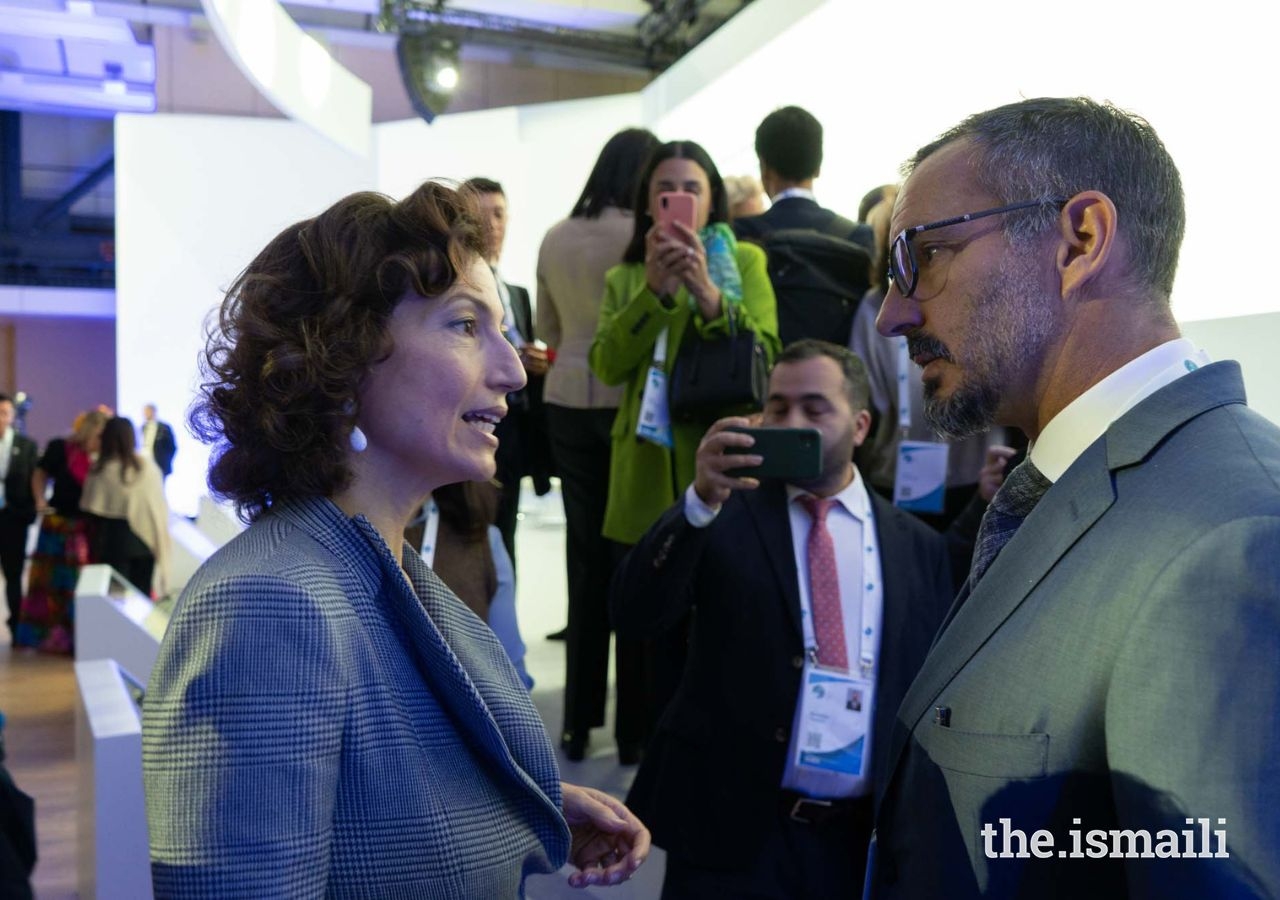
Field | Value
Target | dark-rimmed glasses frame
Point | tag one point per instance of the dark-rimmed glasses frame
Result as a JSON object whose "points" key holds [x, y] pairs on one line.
{"points": [[902, 259]]}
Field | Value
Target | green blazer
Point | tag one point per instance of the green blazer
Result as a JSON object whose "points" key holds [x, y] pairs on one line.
{"points": [[644, 478]]}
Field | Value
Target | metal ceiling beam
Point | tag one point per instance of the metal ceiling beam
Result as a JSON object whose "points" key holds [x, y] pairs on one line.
{"points": [[63, 204], [506, 31]]}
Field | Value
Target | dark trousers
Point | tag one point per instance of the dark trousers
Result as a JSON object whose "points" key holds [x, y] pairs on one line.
{"points": [[13, 554], [795, 860], [117, 546], [581, 446]]}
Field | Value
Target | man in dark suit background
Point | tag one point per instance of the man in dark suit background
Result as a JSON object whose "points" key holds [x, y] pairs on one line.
{"points": [[1108, 676], [720, 785], [789, 147], [523, 445], [158, 440], [18, 456]]}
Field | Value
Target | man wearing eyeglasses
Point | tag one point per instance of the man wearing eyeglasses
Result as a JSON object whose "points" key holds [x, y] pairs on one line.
{"points": [[1106, 690]]}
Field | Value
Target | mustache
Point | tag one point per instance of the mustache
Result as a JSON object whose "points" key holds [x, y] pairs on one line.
{"points": [[921, 344]]}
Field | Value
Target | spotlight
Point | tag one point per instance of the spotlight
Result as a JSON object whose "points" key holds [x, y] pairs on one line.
{"points": [[429, 69]]}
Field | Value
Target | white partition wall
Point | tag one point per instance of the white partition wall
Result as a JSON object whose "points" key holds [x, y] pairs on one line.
{"points": [[541, 154], [196, 198], [112, 860]]}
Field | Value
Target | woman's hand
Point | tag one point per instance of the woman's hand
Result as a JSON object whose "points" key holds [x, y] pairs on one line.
{"points": [[662, 258], [692, 268], [609, 842]]}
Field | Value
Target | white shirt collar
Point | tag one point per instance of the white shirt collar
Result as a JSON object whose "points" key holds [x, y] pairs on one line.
{"points": [[853, 498], [1086, 418], [788, 193]]}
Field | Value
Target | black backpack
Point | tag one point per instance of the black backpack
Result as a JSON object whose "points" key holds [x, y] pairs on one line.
{"points": [[819, 280]]}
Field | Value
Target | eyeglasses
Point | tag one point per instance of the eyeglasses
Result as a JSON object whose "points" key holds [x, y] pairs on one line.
{"points": [[902, 258]]}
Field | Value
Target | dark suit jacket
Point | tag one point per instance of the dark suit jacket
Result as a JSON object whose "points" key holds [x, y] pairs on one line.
{"points": [[801, 212], [164, 447], [1117, 664], [711, 778], [20, 503], [524, 447]]}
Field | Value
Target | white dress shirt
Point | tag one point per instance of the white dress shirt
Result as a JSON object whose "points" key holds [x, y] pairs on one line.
{"points": [[1086, 418]]}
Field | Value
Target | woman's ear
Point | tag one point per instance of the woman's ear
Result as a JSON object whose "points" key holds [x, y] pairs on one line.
{"points": [[1087, 229]]}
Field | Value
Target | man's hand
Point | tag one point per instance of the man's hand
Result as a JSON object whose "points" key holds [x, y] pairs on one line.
{"points": [[534, 359], [993, 471], [609, 842], [711, 483]]}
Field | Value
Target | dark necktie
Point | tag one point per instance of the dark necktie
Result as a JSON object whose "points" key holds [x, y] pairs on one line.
{"points": [[1019, 494]]}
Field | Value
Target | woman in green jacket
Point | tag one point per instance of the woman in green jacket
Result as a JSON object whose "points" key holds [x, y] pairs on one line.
{"points": [[674, 281], [664, 284]]}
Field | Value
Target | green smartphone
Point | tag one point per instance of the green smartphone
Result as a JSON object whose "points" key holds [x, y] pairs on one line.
{"points": [[790, 454]]}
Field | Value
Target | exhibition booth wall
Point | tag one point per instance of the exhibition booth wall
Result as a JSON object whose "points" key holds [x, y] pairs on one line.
{"points": [[197, 197]]}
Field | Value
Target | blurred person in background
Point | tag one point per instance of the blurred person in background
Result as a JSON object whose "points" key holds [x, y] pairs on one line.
{"points": [[157, 440], [63, 545], [17, 506], [523, 447], [326, 717], [746, 196], [124, 495], [662, 294], [572, 262]]}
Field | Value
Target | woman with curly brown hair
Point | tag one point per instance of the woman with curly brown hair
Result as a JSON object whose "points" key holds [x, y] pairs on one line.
{"points": [[325, 717]]}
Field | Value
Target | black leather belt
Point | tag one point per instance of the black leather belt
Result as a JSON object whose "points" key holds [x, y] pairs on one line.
{"points": [[814, 811]]}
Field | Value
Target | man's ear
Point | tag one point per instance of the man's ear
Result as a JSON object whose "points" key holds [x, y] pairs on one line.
{"points": [[1087, 235], [861, 427]]}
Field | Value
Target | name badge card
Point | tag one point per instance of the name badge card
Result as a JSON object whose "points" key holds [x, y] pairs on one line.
{"points": [[654, 424], [920, 482], [835, 716]]}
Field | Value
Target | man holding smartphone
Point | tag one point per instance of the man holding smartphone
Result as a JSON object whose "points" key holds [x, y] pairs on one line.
{"points": [[808, 589]]}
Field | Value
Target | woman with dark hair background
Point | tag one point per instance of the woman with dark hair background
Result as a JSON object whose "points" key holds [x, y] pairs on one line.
{"points": [[326, 718], [47, 620], [662, 294], [572, 262], [124, 495]]}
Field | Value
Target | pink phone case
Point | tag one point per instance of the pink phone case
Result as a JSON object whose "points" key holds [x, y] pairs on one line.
{"points": [[676, 206]]}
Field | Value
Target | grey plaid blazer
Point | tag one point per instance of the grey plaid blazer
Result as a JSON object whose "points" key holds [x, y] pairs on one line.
{"points": [[314, 729]]}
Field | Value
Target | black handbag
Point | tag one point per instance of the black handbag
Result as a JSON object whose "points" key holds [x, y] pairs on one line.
{"points": [[719, 377]]}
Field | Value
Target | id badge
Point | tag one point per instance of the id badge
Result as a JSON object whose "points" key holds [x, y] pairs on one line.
{"points": [[920, 481], [835, 716], [655, 415]]}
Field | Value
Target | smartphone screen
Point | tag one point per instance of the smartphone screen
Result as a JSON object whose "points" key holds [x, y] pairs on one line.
{"points": [[790, 454], [676, 206]]}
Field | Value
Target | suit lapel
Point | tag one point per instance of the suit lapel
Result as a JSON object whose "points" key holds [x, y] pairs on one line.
{"points": [[768, 510], [1077, 500]]}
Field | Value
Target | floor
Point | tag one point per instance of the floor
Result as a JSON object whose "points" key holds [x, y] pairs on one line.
{"points": [[37, 696]]}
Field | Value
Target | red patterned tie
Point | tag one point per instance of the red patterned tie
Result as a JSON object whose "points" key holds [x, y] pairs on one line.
{"points": [[824, 586]]}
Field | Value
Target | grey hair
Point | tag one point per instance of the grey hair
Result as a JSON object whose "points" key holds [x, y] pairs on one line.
{"points": [[1058, 147]]}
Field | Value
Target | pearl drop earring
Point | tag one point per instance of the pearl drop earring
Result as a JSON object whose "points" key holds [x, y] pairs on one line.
{"points": [[358, 441]]}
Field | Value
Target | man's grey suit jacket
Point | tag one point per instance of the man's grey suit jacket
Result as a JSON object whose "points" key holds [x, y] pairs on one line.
{"points": [[1118, 664], [315, 728]]}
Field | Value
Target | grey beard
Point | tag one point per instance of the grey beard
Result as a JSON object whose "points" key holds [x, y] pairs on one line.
{"points": [[970, 410]]}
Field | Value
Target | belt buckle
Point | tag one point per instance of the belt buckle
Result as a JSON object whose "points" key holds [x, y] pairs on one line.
{"points": [[797, 809]]}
